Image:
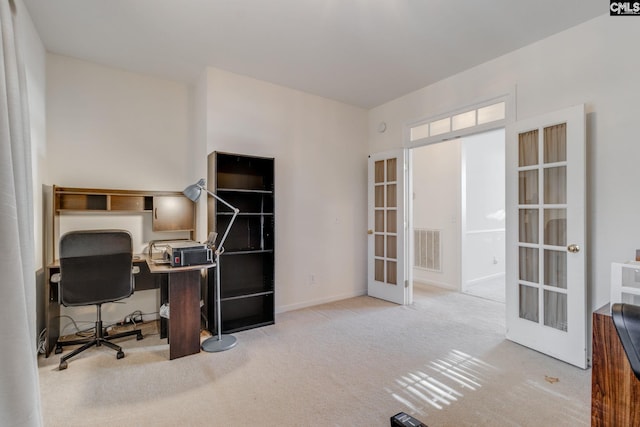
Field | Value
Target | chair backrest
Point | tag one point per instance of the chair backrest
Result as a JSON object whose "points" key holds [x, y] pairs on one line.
{"points": [[626, 319], [95, 267]]}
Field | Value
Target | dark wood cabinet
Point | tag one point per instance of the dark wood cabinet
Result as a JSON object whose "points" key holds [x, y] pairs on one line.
{"points": [[173, 213], [247, 264], [615, 390]]}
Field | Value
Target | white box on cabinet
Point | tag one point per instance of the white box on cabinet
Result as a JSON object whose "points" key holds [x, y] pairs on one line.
{"points": [[625, 282]]}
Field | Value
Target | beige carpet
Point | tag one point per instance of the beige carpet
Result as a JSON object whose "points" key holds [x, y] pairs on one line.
{"points": [[355, 362]]}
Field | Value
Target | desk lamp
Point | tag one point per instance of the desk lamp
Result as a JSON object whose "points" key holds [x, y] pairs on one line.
{"points": [[219, 342]]}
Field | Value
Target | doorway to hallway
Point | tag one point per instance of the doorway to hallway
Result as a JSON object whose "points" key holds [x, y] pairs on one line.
{"points": [[459, 214]]}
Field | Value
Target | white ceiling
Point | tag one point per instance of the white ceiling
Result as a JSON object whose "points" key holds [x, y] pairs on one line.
{"points": [[360, 52]]}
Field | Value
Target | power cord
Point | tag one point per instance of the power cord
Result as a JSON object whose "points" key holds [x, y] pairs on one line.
{"points": [[84, 333], [135, 318]]}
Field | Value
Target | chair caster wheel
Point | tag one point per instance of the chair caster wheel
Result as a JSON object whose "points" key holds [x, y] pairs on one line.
{"points": [[63, 366], [139, 337], [120, 355], [58, 350]]}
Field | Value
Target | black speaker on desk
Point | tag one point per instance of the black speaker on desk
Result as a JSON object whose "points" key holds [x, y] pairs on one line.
{"points": [[183, 254], [403, 420]]}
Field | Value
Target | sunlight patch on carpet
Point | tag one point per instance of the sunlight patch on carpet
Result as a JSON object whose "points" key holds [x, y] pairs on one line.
{"points": [[443, 385]]}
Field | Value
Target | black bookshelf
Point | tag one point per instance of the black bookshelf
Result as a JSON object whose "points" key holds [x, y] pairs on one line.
{"points": [[247, 264]]}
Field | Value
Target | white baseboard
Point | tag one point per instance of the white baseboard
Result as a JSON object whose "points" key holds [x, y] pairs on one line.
{"points": [[483, 278], [444, 285]]}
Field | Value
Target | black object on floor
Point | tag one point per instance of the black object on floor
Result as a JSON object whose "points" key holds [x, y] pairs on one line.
{"points": [[403, 420]]}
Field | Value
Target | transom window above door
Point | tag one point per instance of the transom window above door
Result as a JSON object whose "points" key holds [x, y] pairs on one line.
{"points": [[480, 117]]}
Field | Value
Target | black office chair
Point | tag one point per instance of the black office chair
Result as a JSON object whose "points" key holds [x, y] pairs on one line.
{"points": [[96, 266], [626, 318]]}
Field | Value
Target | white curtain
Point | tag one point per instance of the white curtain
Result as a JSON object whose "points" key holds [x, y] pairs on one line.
{"points": [[19, 385]]}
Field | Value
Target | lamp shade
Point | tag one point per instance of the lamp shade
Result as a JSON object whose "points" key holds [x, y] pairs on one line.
{"points": [[193, 191]]}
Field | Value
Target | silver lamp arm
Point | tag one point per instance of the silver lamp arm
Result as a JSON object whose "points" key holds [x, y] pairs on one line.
{"points": [[220, 248], [221, 342]]}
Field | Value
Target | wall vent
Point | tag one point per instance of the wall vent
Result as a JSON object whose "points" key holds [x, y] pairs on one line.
{"points": [[427, 249]]}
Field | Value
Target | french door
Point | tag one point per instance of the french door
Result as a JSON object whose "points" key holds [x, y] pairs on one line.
{"points": [[545, 269], [387, 272]]}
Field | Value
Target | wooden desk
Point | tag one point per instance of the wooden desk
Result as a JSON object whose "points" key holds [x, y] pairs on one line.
{"points": [[615, 390], [179, 286], [184, 307]]}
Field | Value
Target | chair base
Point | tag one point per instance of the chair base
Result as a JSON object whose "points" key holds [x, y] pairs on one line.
{"points": [[98, 341]]}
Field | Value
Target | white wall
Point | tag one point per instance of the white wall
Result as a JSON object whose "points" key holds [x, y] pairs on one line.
{"points": [[320, 151], [592, 63], [436, 205], [483, 206], [109, 128]]}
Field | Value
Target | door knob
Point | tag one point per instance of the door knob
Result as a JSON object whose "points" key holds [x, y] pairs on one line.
{"points": [[574, 249], [369, 231]]}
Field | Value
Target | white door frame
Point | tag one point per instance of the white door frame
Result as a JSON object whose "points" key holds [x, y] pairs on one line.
{"points": [[508, 97], [419, 133]]}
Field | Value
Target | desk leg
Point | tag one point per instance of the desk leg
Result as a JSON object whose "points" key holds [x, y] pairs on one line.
{"points": [[184, 315], [51, 312], [163, 284]]}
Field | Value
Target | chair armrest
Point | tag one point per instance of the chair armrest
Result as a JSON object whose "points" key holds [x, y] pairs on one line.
{"points": [[55, 278], [135, 269]]}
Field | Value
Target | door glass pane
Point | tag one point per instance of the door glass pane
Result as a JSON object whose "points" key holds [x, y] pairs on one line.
{"points": [[379, 189], [391, 222], [385, 242], [379, 171], [555, 268], [391, 196], [463, 120], [379, 245], [439, 127], [528, 265], [555, 227], [418, 132], [379, 270], [528, 299], [391, 247], [391, 170], [555, 185], [392, 277], [528, 148], [528, 226], [379, 221], [555, 143], [555, 310], [528, 187], [491, 113]]}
